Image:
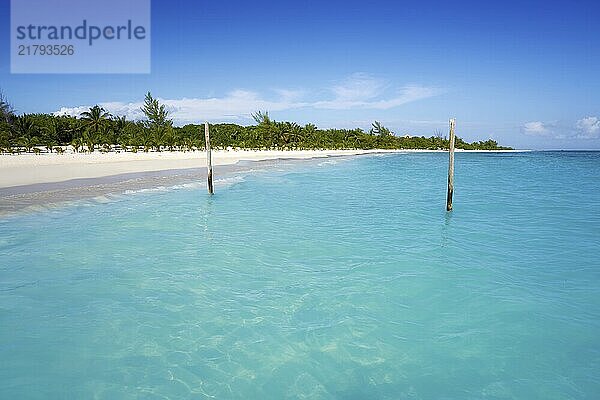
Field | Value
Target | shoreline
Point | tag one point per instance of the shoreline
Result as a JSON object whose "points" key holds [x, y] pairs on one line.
{"points": [[101, 183], [19, 200], [32, 169]]}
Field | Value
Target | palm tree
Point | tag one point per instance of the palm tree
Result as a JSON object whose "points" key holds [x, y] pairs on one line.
{"points": [[144, 139], [90, 140], [106, 137], [188, 144], [26, 131], [168, 139], [118, 130], [161, 136], [50, 143], [119, 124], [5, 142], [124, 142], [77, 143], [351, 138], [294, 134], [310, 129], [95, 118], [28, 142], [24, 126]]}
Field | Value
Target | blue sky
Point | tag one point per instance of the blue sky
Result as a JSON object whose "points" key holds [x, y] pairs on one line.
{"points": [[523, 73]]}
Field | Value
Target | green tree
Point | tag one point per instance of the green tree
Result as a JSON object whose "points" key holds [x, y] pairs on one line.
{"points": [[157, 122], [77, 144], [378, 129], [90, 140], [26, 132], [6, 110], [95, 118], [261, 117], [29, 142], [96, 127]]}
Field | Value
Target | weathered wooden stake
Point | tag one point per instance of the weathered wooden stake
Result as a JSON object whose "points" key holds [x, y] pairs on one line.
{"points": [[208, 159], [451, 167]]}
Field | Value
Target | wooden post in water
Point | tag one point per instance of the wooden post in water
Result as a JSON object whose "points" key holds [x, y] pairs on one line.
{"points": [[451, 167], [208, 159]]}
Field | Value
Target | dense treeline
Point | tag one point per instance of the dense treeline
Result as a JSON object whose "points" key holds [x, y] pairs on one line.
{"points": [[97, 130]]}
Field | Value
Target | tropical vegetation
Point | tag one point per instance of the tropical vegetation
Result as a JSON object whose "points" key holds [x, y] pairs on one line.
{"points": [[98, 130]]}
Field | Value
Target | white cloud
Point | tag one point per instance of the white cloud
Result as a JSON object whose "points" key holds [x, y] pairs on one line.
{"points": [[235, 105], [357, 91], [358, 86], [407, 94], [589, 128], [535, 128], [289, 94], [364, 91]]}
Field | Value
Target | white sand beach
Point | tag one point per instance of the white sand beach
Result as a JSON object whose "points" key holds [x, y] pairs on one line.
{"points": [[30, 169]]}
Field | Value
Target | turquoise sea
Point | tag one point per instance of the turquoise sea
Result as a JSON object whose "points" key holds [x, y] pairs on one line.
{"points": [[330, 279]]}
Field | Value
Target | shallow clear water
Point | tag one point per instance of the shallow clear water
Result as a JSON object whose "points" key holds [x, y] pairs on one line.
{"points": [[337, 279]]}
